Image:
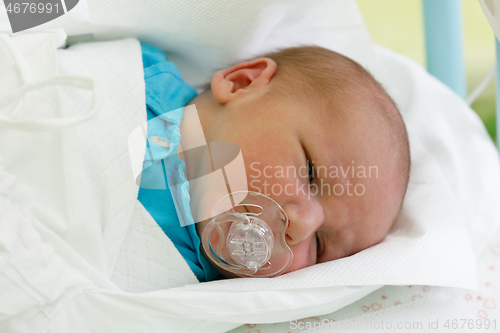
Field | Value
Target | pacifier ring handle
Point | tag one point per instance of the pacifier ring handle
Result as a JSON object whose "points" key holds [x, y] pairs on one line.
{"points": [[251, 205]]}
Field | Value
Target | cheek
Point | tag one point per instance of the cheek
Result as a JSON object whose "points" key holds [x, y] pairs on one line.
{"points": [[304, 255], [267, 178]]}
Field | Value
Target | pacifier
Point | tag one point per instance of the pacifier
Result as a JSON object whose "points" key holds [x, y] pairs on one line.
{"points": [[246, 236]]}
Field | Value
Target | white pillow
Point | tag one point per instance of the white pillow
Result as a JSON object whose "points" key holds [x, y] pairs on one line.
{"points": [[201, 37]]}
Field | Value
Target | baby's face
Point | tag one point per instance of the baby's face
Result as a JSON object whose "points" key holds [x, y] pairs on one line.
{"points": [[333, 179]]}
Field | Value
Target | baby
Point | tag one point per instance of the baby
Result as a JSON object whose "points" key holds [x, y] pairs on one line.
{"points": [[304, 108]]}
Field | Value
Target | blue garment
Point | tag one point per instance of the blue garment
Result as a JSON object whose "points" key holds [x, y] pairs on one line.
{"points": [[166, 95]]}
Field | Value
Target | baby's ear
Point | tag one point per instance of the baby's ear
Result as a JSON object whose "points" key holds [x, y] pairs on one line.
{"points": [[240, 79]]}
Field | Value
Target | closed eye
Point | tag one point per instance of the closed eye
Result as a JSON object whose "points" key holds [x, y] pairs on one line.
{"points": [[310, 168], [319, 246]]}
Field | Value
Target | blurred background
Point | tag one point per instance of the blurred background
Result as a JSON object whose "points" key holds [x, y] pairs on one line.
{"points": [[398, 25]]}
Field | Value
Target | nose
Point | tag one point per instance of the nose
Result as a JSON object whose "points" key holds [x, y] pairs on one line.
{"points": [[304, 219]]}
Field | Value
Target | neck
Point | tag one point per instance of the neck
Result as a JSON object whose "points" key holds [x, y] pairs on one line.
{"points": [[195, 131], [198, 127], [192, 134], [208, 114]]}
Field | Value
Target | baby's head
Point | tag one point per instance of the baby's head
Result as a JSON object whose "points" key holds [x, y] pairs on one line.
{"points": [[319, 136]]}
